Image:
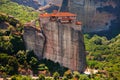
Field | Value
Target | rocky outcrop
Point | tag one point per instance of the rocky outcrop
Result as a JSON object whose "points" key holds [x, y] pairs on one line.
{"points": [[92, 15], [58, 42], [34, 40], [64, 44], [96, 15]]}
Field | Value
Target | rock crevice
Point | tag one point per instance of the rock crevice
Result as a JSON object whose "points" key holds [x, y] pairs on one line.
{"points": [[61, 43]]}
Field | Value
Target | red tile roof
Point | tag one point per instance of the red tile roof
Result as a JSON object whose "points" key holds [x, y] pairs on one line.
{"points": [[78, 23], [60, 14]]}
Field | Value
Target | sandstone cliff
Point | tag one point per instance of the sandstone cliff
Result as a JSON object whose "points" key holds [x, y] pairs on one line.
{"points": [[34, 40], [58, 42], [96, 15], [64, 44]]}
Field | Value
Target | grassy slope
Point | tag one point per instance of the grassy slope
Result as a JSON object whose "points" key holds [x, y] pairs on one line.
{"points": [[23, 13]]}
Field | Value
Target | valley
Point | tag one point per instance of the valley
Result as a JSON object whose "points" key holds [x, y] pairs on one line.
{"points": [[59, 49]]}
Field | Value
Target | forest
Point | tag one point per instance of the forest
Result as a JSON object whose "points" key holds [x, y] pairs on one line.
{"points": [[102, 54]]}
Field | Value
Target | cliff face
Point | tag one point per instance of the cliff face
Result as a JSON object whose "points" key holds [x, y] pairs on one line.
{"points": [[98, 16], [34, 40], [58, 42], [64, 44], [91, 13]]}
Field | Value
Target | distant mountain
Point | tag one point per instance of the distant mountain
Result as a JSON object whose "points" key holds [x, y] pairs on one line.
{"points": [[98, 16]]}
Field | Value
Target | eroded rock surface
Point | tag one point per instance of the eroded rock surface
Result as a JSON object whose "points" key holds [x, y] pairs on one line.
{"points": [[64, 44], [96, 15], [58, 42], [34, 40]]}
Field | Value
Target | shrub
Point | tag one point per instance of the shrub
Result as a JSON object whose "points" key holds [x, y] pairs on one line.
{"points": [[41, 77], [56, 76]]}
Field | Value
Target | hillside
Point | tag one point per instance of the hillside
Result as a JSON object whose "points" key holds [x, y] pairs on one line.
{"points": [[36, 4], [14, 58], [103, 53], [23, 13], [30, 3]]}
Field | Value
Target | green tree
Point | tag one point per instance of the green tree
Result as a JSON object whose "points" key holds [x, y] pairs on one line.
{"points": [[21, 56], [49, 78], [56, 75], [19, 77], [5, 44], [42, 67], [92, 64], [3, 1], [65, 78], [4, 57], [68, 74], [41, 77], [76, 75], [29, 55], [84, 77], [12, 65], [34, 64], [18, 43], [33, 61]]}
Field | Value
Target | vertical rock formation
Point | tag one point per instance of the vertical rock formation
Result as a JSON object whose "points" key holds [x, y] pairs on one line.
{"points": [[59, 41], [34, 40], [64, 44], [95, 14]]}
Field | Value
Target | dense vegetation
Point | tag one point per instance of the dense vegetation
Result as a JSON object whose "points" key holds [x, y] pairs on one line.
{"points": [[104, 55], [23, 13]]}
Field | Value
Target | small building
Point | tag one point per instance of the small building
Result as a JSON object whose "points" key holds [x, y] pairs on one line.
{"points": [[60, 17], [63, 17]]}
